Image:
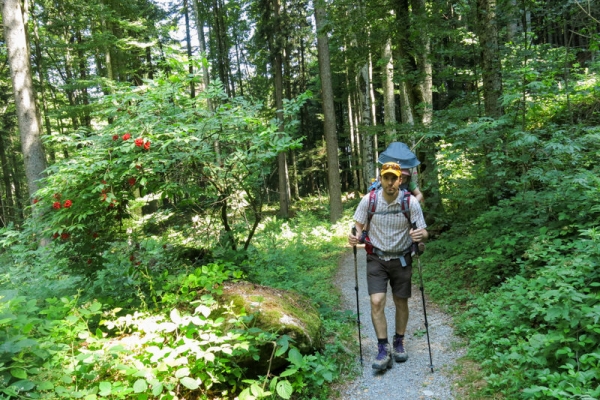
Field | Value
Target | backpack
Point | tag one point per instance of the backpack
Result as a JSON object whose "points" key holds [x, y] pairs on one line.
{"points": [[371, 210]]}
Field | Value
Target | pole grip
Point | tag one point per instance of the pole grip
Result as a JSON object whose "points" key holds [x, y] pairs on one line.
{"points": [[414, 247], [354, 234]]}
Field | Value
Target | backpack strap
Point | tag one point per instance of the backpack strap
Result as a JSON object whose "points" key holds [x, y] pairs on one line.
{"points": [[372, 206], [405, 206]]}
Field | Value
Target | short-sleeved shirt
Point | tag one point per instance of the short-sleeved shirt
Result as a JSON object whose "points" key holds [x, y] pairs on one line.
{"points": [[390, 232]]}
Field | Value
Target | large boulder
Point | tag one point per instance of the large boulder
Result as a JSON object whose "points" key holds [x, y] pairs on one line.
{"points": [[275, 310]]}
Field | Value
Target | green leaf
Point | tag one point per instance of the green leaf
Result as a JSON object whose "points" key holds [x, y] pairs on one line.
{"points": [[23, 385], [245, 395], [157, 389], [175, 316], [45, 385], [18, 373], [105, 388], [284, 389], [190, 383], [288, 372], [140, 386], [295, 357]]}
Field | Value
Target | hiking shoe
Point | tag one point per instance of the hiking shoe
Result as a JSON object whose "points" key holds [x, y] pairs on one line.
{"points": [[400, 354], [384, 358]]}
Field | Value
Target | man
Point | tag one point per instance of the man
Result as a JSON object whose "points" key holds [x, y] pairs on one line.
{"points": [[391, 235]]}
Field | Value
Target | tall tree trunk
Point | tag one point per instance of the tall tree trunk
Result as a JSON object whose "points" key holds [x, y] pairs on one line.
{"points": [[424, 60], [402, 61], [202, 47], [188, 40], [368, 160], [389, 102], [276, 49], [490, 57], [27, 113], [9, 209], [86, 119], [333, 169]]}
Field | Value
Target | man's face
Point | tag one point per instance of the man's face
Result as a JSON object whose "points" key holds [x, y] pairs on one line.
{"points": [[390, 183]]}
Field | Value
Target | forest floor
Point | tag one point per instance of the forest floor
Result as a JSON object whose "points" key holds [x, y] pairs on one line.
{"points": [[413, 379]]}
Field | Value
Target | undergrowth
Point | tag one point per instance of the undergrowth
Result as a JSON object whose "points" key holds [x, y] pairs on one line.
{"points": [[148, 323]]}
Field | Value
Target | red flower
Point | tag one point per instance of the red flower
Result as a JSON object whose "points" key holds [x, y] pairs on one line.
{"points": [[64, 235], [95, 235], [139, 142], [103, 196], [56, 205], [147, 145], [103, 182], [68, 203], [138, 166], [89, 261], [131, 181], [131, 257], [126, 136], [35, 201], [115, 137], [55, 236]]}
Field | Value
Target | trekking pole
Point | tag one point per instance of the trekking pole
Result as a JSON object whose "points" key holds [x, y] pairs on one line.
{"points": [[415, 250], [357, 303]]}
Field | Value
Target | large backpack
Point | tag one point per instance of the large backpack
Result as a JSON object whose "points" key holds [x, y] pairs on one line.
{"points": [[371, 210]]}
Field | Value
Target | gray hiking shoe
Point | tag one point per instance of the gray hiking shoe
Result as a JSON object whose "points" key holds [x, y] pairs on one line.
{"points": [[400, 354], [384, 358]]}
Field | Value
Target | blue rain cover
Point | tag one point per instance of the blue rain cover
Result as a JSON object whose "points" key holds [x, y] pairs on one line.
{"points": [[399, 152]]}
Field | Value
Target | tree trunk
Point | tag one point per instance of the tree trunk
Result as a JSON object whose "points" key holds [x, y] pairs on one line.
{"points": [[284, 182], [368, 160], [490, 57], [202, 48], [188, 40], [389, 102], [9, 210], [333, 169], [403, 62], [424, 61], [25, 101]]}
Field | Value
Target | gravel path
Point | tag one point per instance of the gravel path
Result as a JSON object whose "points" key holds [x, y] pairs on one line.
{"points": [[413, 379]]}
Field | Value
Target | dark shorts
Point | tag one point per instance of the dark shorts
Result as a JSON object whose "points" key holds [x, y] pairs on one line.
{"points": [[380, 272]]}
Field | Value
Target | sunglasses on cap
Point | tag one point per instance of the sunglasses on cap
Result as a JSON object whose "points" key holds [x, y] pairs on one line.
{"points": [[392, 166]]}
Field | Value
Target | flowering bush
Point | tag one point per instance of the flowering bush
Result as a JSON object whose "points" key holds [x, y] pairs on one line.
{"points": [[105, 174]]}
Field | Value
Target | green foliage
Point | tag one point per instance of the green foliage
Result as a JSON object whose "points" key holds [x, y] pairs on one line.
{"points": [[538, 337], [161, 146], [157, 330], [87, 351], [296, 254]]}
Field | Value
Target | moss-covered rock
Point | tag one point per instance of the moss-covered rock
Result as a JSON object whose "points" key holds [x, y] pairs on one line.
{"points": [[276, 310]]}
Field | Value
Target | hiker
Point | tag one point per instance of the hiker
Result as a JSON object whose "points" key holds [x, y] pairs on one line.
{"points": [[400, 153], [411, 186], [386, 215]]}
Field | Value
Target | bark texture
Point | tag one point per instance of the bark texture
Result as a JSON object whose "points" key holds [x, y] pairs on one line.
{"points": [[25, 101]]}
